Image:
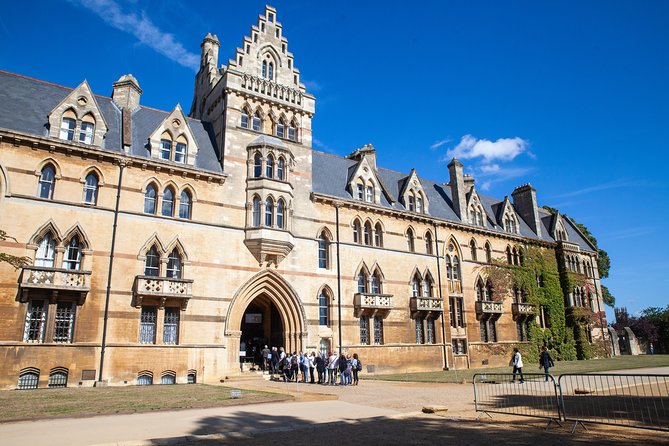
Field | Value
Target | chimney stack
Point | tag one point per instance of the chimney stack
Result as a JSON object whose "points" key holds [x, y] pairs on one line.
{"points": [[457, 184], [525, 202], [127, 92]]}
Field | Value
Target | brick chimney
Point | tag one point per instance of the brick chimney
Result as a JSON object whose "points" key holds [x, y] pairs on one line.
{"points": [[127, 92], [457, 183], [525, 202]]}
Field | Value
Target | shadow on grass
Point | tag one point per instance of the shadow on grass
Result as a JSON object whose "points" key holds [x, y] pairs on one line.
{"points": [[249, 428]]}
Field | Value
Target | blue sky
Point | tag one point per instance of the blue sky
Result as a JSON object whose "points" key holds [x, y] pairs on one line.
{"points": [[570, 96]]}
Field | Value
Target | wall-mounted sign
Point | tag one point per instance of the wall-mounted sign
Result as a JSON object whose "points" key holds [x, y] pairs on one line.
{"points": [[253, 318]]}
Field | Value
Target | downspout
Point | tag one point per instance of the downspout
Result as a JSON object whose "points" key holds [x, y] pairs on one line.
{"points": [[103, 345], [338, 278], [443, 303]]}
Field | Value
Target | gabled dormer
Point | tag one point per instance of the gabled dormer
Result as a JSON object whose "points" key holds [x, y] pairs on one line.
{"points": [[558, 230], [412, 194], [363, 183], [77, 118], [264, 54], [173, 139], [476, 214], [507, 218]]}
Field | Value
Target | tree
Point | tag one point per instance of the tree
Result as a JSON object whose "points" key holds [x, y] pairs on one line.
{"points": [[608, 298], [15, 261]]}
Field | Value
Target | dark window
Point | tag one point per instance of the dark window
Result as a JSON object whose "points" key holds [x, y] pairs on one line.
{"points": [[184, 205], [323, 309], [174, 265], [171, 326], [168, 202], [357, 229], [257, 122], [64, 323], [144, 380], [459, 346], [428, 243], [152, 262], [168, 377], [523, 330], [472, 248], [256, 212], [378, 235], [364, 330], [322, 251], [47, 180], [488, 253], [147, 326], [362, 282], [67, 127], [410, 240], [165, 149], [281, 129], [368, 234], [257, 166], [180, 152], [150, 199], [280, 168], [73, 254], [245, 119], [488, 330], [269, 212], [35, 321], [430, 331], [58, 378], [376, 283], [456, 268], [269, 167], [280, 212], [28, 379], [378, 330], [91, 189], [192, 377], [419, 330]]}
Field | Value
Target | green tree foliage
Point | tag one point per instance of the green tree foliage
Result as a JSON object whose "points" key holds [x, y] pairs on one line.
{"points": [[609, 299], [15, 261], [660, 319]]}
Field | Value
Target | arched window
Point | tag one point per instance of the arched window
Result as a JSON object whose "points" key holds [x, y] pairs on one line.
{"points": [[264, 69], [257, 122], [415, 285], [269, 212], [368, 234], [419, 203], [376, 283], [456, 268], [257, 165], [67, 126], [152, 262], [87, 130], [91, 189], [280, 169], [428, 288], [357, 232], [323, 309], [180, 151], [256, 212], [185, 204], [168, 202], [509, 256], [244, 123], [28, 378], [428, 243], [515, 256], [47, 181], [369, 194], [489, 291], [362, 282], [410, 240], [323, 250], [73, 254], [269, 166], [150, 199], [281, 128], [280, 214], [472, 249], [292, 131], [480, 290], [174, 265], [165, 149], [270, 71], [521, 257], [411, 205], [58, 377], [449, 268], [46, 251], [488, 252], [378, 235], [360, 189]]}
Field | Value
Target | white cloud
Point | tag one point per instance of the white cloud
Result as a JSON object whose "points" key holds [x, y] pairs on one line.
{"points": [[440, 143], [616, 184], [144, 30], [504, 149], [312, 86], [490, 168], [321, 145]]}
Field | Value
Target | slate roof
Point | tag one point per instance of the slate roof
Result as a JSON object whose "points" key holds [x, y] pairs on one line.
{"points": [[331, 176], [25, 104]]}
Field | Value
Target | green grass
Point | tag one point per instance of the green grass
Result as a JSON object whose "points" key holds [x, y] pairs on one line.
{"points": [[592, 365], [74, 402]]}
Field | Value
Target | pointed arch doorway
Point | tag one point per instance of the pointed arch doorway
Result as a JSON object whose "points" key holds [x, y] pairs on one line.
{"points": [[266, 307]]}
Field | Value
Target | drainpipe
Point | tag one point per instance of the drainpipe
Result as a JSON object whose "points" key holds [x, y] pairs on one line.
{"points": [[338, 278], [121, 165], [443, 304]]}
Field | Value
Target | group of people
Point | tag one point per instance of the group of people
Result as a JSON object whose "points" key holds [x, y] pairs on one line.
{"points": [[331, 368], [545, 362]]}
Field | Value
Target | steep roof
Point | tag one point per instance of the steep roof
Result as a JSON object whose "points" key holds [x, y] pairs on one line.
{"points": [[25, 104], [331, 175]]}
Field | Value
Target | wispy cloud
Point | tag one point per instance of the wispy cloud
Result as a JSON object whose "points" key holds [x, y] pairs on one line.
{"points": [[312, 86], [146, 32], [616, 184], [503, 149], [440, 143], [629, 233], [321, 145]]}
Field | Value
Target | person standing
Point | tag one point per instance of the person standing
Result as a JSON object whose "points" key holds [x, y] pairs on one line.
{"points": [[266, 356], [320, 367], [545, 360], [310, 359], [517, 362], [333, 362], [357, 367]]}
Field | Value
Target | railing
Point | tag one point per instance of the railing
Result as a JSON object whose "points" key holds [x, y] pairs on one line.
{"points": [[418, 303], [536, 396], [271, 88], [373, 301], [488, 307], [55, 279], [520, 309], [563, 244], [640, 401], [163, 288]]}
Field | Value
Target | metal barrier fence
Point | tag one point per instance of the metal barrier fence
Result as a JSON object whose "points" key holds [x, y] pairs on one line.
{"points": [[640, 401], [615, 399], [536, 396]]}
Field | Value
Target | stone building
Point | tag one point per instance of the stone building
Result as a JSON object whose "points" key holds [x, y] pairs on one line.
{"points": [[161, 244]]}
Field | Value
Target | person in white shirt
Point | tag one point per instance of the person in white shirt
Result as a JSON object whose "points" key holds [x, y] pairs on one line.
{"points": [[333, 362], [517, 362]]}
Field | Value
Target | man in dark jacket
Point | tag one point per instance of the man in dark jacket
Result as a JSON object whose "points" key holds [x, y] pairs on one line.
{"points": [[545, 360]]}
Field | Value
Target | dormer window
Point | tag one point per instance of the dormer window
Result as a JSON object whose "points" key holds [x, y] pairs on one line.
{"points": [[369, 195], [180, 152], [361, 191], [86, 132], [476, 215], [412, 203], [510, 224], [165, 148], [419, 204], [67, 127]]}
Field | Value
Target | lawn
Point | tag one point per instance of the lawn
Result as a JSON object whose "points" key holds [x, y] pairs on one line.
{"points": [[592, 365], [74, 402]]}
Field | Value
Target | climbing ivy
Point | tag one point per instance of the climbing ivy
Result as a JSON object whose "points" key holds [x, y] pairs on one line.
{"points": [[540, 280]]}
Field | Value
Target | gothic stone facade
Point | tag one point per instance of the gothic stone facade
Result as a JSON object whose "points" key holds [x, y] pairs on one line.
{"points": [[160, 244]]}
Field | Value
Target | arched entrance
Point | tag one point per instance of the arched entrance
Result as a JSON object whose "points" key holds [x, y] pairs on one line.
{"points": [[266, 307], [261, 325]]}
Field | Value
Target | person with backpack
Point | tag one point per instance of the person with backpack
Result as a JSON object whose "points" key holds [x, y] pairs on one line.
{"points": [[319, 362], [294, 367], [333, 362], [517, 363], [356, 364], [545, 361]]}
